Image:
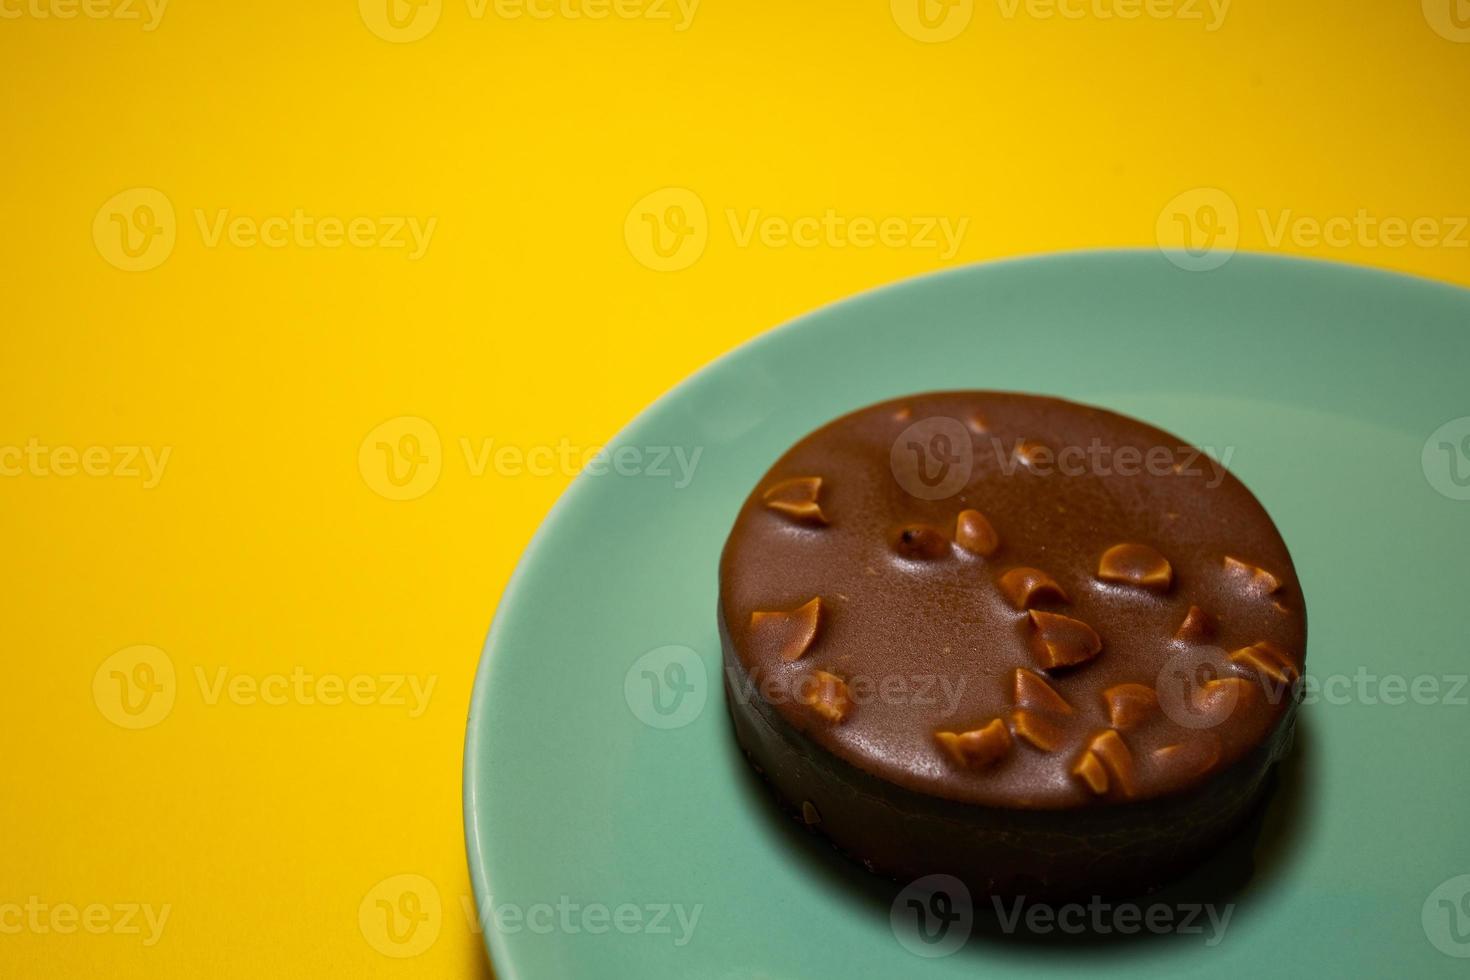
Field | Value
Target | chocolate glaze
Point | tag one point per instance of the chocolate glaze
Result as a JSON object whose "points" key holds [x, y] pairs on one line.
{"points": [[921, 636]]}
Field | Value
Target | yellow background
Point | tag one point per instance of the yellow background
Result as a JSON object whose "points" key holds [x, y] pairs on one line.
{"points": [[534, 318]]}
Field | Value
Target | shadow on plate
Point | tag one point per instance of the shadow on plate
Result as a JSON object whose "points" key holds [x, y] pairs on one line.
{"points": [[1202, 906]]}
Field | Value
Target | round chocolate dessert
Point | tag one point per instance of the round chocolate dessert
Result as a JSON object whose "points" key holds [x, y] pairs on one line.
{"points": [[1038, 646]]}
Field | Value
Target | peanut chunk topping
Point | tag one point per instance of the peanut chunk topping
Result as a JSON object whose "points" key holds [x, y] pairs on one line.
{"points": [[1197, 627], [1187, 760], [1136, 564], [792, 633], [1034, 728], [1268, 660], [1218, 699], [797, 499], [1032, 691], [1251, 577], [975, 534], [1129, 705], [1110, 756], [1061, 641], [1027, 587], [1090, 770], [826, 694], [978, 749]]}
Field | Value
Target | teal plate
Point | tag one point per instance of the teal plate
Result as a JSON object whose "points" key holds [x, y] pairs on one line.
{"points": [[615, 832]]}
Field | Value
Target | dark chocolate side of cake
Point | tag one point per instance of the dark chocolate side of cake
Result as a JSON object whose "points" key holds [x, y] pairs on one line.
{"points": [[1118, 646]]}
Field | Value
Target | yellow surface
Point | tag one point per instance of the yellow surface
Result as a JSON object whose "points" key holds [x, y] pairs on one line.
{"points": [[266, 581]]}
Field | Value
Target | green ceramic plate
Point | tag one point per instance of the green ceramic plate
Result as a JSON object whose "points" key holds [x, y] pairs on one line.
{"points": [[615, 832]]}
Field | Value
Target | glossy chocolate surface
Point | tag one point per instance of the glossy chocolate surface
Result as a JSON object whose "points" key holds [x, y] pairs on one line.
{"points": [[1013, 602]]}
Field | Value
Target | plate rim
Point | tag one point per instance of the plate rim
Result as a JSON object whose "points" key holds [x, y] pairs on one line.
{"points": [[475, 750]]}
